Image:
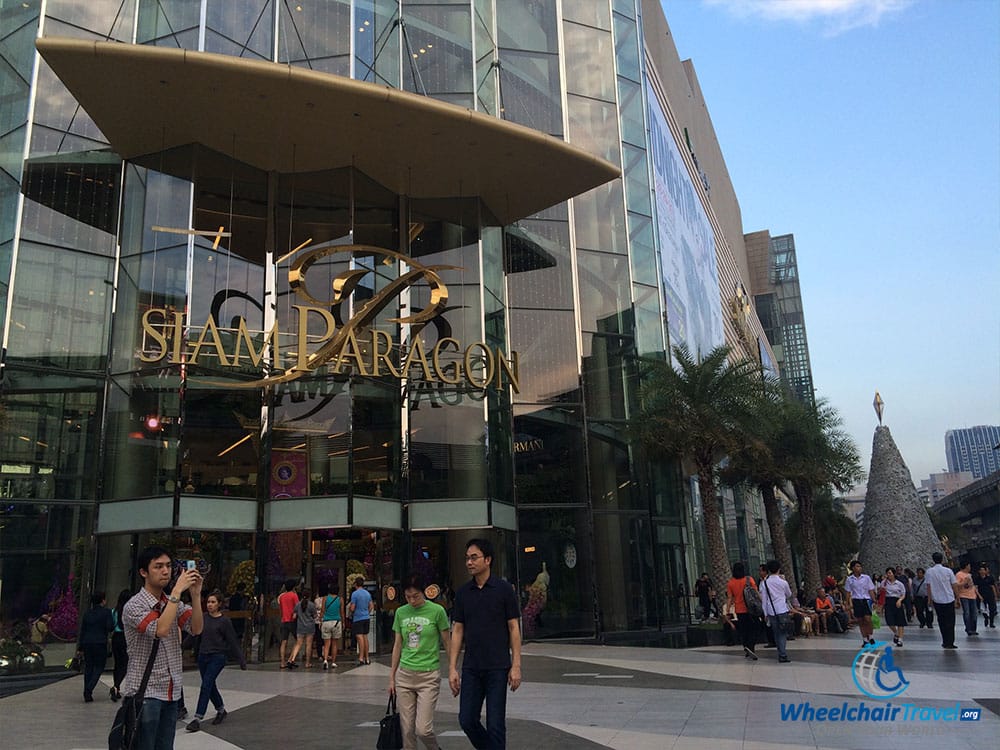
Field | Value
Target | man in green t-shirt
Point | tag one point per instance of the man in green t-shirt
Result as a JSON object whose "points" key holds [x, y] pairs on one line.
{"points": [[420, 627]]}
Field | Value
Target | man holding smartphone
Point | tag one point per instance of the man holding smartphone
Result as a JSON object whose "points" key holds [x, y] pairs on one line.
{"points": [[152, 616]]}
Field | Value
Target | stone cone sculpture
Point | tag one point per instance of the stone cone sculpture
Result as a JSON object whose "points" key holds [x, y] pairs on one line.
{"points": [[896, 529]]}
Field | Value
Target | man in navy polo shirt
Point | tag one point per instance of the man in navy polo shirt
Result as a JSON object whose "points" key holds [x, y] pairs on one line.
{"points": [[486, 618]]}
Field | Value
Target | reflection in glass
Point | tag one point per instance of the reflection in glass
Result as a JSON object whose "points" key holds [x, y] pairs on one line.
{"points": [[626, 583], [548, 451]]}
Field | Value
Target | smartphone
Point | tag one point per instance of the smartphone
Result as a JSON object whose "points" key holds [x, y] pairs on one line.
{"points": [[191, 565]]}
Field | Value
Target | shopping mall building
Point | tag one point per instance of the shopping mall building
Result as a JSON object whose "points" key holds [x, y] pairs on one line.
{"points": [[332, 287]]}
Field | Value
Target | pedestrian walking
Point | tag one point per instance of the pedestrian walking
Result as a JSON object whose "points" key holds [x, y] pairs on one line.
{"points": [[746, 622], [968, 595], [305, 628], [362, 607], [942, 588], [420, 628], [486, 619], [287, 601], [893, 611], [775, 598], [218, 640], [332, 627], [921, 601], [119, 649], [96, 626], [151, 617], [987, 586], [860, 595]]}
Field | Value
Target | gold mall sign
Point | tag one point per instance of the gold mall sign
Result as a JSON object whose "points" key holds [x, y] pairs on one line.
{"points": [[366, 352]]}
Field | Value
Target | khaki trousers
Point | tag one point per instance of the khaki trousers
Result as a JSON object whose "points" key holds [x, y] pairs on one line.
{"points": [[416, 699]]}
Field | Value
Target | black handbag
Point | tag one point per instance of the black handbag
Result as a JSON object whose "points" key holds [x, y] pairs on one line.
{"points": [[124, 734], [390, 731]]}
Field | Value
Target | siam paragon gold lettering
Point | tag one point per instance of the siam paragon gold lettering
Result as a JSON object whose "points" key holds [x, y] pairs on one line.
{"points": [[356, 346]]}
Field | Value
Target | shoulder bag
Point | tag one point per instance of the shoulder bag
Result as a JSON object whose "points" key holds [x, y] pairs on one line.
{"points": [[124, 733], [390, 731], [784, 618]]}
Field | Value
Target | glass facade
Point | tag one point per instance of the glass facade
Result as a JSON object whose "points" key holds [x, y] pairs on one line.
{"points": [[163, 317]]}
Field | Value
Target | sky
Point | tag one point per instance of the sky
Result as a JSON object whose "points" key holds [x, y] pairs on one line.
{"points": [[870, 129]]}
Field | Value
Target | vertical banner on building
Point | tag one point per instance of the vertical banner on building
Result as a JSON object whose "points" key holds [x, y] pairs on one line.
{"points": [[289, 474], [686, 244]]}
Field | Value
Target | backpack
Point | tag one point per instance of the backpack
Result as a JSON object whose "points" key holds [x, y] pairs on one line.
{"points": [[752, 598]]}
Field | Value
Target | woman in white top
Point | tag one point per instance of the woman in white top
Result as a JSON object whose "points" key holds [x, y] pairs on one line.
{"points": [[892, 610]]}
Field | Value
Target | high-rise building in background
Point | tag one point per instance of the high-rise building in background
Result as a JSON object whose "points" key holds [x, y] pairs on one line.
{"points": [[501, 207], [936, 486], [973, 449], [777, 296]]}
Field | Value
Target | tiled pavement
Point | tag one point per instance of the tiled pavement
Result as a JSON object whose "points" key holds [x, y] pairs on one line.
{"points": [[579, 697]]}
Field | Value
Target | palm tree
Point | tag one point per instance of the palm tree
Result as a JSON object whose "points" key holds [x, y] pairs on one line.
{"points": [[755, 463], [839, 541], [701, 411], [815, 453]]}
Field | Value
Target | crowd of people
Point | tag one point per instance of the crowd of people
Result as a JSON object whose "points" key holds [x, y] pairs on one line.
{"points": [[753, 609]]}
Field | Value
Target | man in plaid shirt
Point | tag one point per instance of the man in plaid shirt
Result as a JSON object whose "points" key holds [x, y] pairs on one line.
{"points": [[152, 615]]}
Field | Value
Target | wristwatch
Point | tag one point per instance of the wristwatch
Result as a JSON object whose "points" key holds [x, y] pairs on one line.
{"points": [[173, 599]]}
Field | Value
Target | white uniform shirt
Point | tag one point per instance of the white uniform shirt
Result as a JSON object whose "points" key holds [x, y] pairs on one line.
{"points": [[940, 578]]}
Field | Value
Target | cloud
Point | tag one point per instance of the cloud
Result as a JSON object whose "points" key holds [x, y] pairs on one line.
{"points": [[837, 16]]}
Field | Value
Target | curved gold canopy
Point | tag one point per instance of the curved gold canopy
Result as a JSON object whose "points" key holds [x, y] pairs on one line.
{"points": [[288, 119]]}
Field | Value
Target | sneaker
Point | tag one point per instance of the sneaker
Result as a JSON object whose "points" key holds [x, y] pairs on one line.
{"points": [[220, 717], [116, 694], [194, 726], [333, 665], [182, 714], [783, 660], [950, 646], [87, 698], [292, 665], [871, 641], [326, 665]]}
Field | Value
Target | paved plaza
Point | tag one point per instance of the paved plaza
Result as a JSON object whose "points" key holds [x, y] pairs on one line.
{"points": [[577, 697]]}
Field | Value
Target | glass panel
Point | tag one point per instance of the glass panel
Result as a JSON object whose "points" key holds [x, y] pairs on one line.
{"points": [[630, 110], [437, 49], [607, 371], [111, 19], [605, 296], [447, 457], [169, 23], [637, 179], [626, 49], [242, 29], [60, 111], [591, 12], [220, 444], [590, 62], [539, 270], [310, 33], [593, 126], [557, 590], [528, 25], [546, 343], [500, 446], [626, 583], [649, 328], [375, 432], [143, 428], [377, 41], [530, 90], [599, 215], [61, 308], [44, 549], [548, 451], [641, 249], [50, 439], [625, 7]]}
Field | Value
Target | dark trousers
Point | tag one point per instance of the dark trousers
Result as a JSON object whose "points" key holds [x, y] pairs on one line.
{"points": [[946, 622], [970, 614], [746, 626], [210, 666], [925, 615], [489, 685], [990, 618], [158, 720], [120, 651], [94, 659]]}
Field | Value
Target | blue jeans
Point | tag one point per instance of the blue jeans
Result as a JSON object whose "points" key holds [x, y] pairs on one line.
{"points": [[479, 685], [210, 666], [158, 720], [970, 613], [780, 636]]}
